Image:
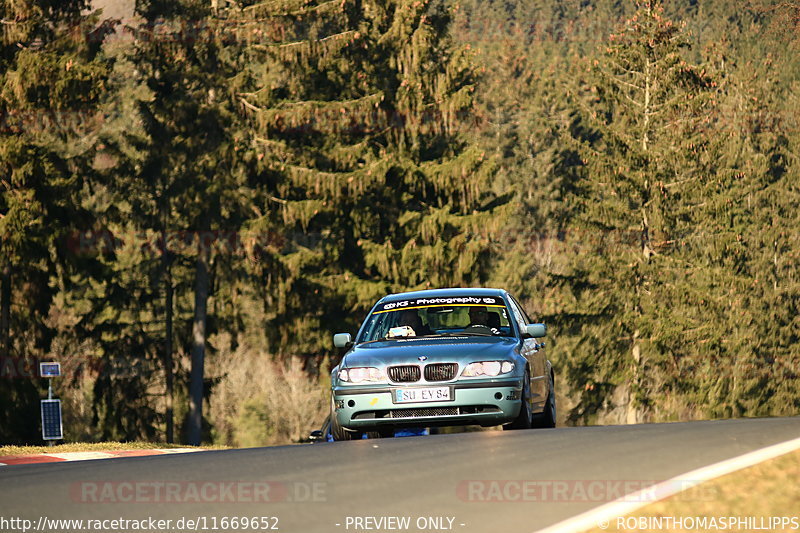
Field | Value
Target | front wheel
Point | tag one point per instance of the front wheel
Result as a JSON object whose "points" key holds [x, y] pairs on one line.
{"points": [[524, 418], [338, 432], [547, 418]]}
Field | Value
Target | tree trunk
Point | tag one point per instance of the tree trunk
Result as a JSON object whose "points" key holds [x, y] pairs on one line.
{"points": [[168, 367], [5, 311], [198, 344], [633, 413]]}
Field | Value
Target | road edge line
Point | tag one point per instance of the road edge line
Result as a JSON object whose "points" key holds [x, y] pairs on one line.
{"points": [[636, 500]]}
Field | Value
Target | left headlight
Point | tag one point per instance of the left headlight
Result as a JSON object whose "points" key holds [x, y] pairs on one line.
{"points": [[361, 374], [488, 368]]}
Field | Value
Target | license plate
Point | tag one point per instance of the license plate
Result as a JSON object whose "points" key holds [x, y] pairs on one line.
{"points": [[431, 394]]}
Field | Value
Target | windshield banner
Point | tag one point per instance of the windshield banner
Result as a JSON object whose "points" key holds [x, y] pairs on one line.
{"points": [[416, 303]]}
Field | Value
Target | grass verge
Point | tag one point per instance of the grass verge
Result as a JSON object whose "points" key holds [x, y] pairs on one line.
{"points": [[757, 495], [6, 451]]}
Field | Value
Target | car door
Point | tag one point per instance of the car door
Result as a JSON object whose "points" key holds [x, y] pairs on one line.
{"points": [[533, 353]]}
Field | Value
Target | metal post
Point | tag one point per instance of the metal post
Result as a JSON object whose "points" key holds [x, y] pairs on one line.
{"points": [[50, 443]]}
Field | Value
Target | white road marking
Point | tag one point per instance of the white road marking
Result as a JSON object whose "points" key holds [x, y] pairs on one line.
{"points": [[111, 454], [635, 501], [179, 450], [79, 456]]}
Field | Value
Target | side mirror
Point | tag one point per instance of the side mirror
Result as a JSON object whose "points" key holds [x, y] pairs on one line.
{"points": [[316, 436], [342, 340], [535, 331]]}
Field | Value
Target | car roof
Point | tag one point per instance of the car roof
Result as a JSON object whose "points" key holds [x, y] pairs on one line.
{"points": [[443, 293]]}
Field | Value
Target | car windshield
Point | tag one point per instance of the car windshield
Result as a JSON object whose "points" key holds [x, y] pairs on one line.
{"points": [[417, 317]]}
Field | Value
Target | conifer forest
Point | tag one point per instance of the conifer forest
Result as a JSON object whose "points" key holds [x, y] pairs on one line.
{"points": [[196, 196]]}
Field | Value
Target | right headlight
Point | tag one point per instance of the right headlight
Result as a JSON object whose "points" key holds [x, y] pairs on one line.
{"points": [[361, 374], [488, 368]]}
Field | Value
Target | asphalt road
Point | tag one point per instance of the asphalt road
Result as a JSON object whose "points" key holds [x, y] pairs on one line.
{"points": [[470, 482]]}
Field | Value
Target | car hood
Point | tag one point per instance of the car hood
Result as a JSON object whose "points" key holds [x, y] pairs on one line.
{"points": [[436, 350]]}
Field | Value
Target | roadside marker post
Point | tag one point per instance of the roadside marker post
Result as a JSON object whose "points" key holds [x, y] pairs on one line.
{"points": [[52, 427]]}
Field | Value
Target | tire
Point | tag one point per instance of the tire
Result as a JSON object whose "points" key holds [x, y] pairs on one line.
{"points": [[524, 418], [338, 432], [547, 418]]}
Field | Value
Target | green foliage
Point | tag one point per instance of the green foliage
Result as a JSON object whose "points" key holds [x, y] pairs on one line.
{"points": [[628, 169], [634, 243], [357, 113], [644, 154], [51, 75]]}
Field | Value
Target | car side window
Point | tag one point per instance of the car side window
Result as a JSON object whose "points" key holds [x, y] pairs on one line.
{"points": [[519, 315], [523, 314]]}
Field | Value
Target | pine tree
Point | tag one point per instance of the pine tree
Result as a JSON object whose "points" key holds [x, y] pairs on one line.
{"points": [[176, 182], [645, 157], [53, 77], [748, 232], [524, 54], [356, 109]]}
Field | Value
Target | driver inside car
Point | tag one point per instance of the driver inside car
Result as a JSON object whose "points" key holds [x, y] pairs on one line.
{"points": [[479, 318]]}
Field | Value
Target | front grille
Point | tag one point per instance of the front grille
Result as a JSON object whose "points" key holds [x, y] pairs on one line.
{"points": [[441, 371], [425, 411], [404, 374]]}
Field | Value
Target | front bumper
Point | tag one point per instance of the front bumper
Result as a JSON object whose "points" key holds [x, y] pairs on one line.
{"points": [[484, 402]]}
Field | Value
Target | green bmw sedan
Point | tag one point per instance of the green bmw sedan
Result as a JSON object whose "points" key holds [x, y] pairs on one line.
{"points": [[446, 357]]}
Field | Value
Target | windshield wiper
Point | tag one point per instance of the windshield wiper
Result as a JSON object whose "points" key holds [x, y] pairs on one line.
{"points": [[433, 335], [378, 340], [465, 334]]}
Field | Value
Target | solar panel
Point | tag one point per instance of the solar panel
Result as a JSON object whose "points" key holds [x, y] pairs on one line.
{"points": [[49, 370], [51, 420]]}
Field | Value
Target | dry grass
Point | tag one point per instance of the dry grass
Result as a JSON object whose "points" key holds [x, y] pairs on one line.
{"points": [[769, 489], [259, 401], [120, 9], [6, 451]]}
